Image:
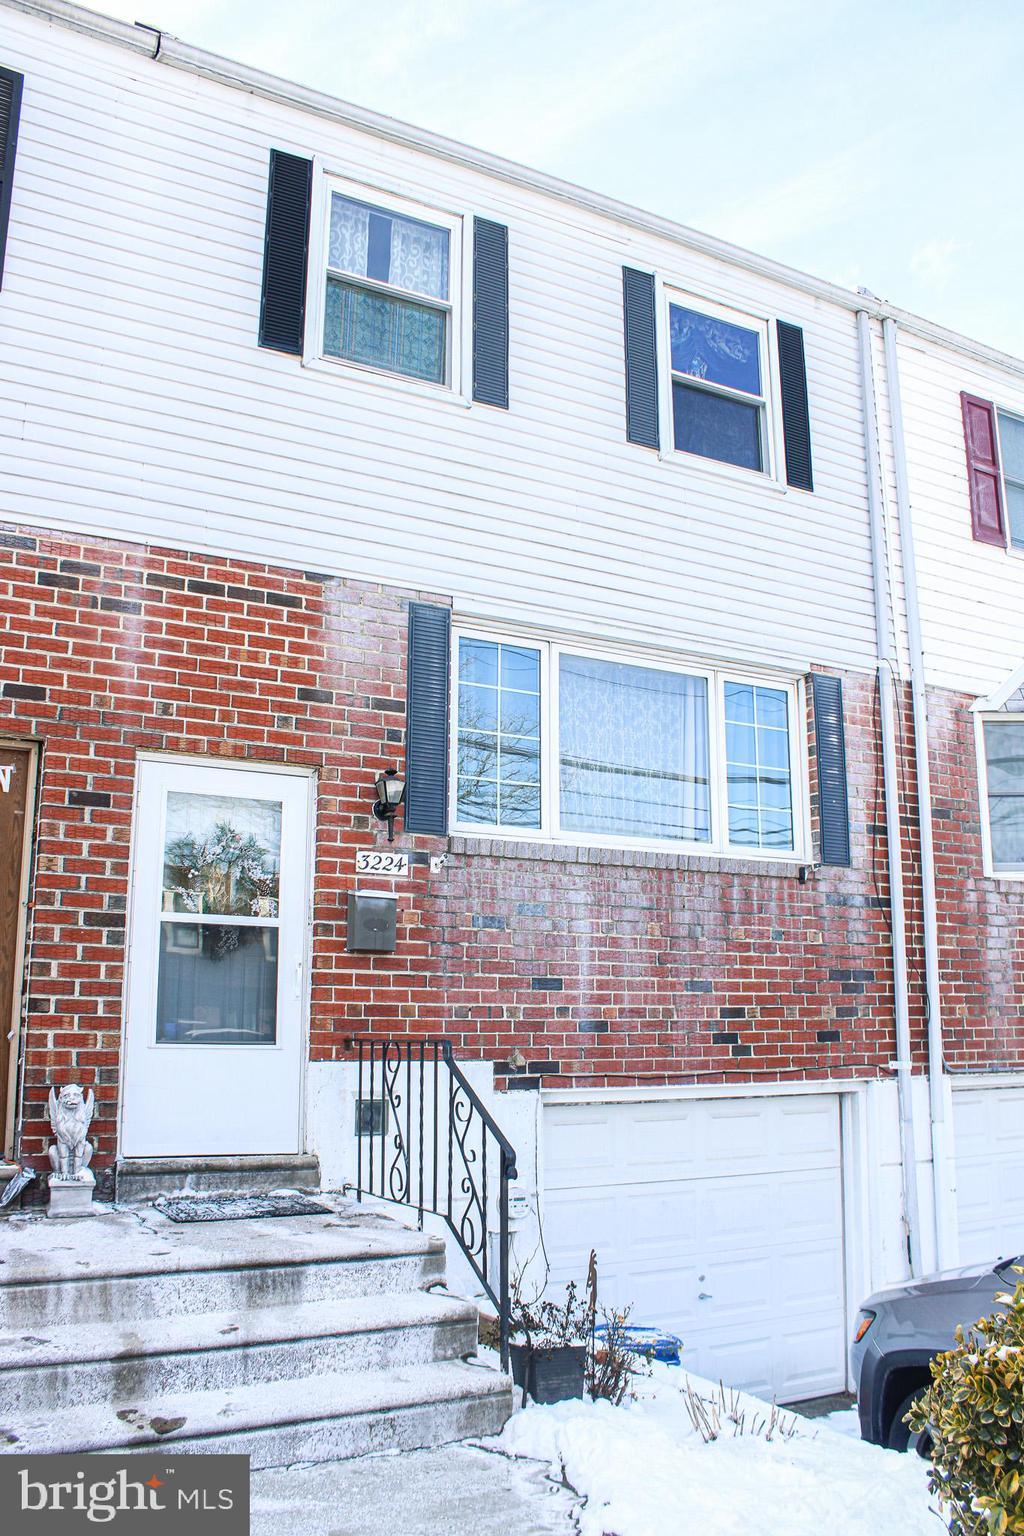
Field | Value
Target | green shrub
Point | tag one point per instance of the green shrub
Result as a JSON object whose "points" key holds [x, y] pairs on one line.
{"points": [[974, 1410]]}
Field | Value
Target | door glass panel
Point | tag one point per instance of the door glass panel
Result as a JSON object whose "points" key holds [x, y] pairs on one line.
{"points": [[222, 855], [217, 984]]}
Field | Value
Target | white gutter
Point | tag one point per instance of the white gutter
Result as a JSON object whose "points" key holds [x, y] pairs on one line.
{"points": [[946, 1234], [894, 845], [167, 49]]}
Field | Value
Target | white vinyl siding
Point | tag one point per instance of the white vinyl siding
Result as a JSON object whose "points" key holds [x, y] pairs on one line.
{"points": [[134, 401], [971, 595]]}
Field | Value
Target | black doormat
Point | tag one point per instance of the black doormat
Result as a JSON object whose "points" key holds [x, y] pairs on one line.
{"points": [[237, 1207]]}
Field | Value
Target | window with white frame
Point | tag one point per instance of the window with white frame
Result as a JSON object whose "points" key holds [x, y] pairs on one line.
{"points": [[720, 395], [1011, 454], [391, 282], [557, 741], [1004, 781]]}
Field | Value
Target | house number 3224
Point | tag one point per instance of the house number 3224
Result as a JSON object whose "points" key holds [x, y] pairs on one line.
{"points": [[376, 861]]}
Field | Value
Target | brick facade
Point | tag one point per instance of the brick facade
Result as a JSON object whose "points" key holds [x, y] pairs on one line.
{"points": [[569, 968], [981, 921]]}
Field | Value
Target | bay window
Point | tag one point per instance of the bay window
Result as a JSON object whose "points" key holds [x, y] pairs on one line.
{"points": [[562, 742]]}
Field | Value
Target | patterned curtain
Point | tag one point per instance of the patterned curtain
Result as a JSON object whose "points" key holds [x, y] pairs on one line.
{"points": [[349, 242], [368, 242], [633, 750]]}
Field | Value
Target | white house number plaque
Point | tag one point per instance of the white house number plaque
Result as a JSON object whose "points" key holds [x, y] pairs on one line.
{"points": [[378, 861]]}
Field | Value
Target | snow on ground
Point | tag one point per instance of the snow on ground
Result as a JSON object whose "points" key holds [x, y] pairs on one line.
{"points": [[645, 1471], [845, 1421]]}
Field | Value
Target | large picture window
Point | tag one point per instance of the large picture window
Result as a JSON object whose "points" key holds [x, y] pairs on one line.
{"points": [[560, 742]]}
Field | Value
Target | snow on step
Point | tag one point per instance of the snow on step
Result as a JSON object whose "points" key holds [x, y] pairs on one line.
{"points": [[300, 1338], [317, 1418], [71, 1365], [131, 1265]]}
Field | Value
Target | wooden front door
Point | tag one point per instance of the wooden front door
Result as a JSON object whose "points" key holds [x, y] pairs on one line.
{"points": [[16, 768]]}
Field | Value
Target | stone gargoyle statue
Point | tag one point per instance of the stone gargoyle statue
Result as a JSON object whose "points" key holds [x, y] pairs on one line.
{"points": [[70, 1117]]}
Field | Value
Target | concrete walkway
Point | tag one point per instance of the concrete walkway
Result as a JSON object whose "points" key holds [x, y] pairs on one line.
{"points": [[455, 1490]]}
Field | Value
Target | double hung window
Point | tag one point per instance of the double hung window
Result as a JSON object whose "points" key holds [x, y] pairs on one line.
{"points": [[1003, 741], [392, 277], [561, 742], [719, 370], [1011, 453]]}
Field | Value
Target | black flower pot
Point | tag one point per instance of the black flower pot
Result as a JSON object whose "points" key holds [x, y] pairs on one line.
{"points": [[549, 1375]]}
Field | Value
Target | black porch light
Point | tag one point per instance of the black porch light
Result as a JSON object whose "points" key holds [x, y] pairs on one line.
{"points": [[390, 787]]}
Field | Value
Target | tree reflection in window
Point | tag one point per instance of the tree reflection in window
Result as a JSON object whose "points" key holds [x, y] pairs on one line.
{"points": [[498, 734]]}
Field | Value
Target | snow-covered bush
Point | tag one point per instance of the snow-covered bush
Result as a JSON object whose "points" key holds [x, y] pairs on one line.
{"points": [[974, 1411]]}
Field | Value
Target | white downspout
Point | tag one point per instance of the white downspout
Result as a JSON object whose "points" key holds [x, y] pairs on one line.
{"points": [[894, 844], [946, 1235]]}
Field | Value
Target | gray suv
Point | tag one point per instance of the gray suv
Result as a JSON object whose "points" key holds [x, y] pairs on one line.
{"points": [[899, 1331]]}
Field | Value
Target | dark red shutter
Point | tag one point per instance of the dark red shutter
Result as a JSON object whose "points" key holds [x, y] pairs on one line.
{"points": [[983, 469]]}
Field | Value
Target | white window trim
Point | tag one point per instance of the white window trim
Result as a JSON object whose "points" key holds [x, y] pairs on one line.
{"points": [[1011, 547], [667, 294], [458, 385], [716, 674], [988, 862]]}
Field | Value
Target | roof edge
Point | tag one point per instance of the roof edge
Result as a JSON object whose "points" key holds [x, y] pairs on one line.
{"points": [[165, 48]]}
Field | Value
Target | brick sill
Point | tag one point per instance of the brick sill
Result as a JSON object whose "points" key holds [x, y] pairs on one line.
{"points": [[629, 858]]}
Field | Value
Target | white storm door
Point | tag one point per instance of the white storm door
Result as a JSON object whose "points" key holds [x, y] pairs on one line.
{"points": [[220, 902]]}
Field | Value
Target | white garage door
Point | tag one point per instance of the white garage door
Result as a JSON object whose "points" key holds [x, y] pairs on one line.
{"points": [[988, 1127], [719, 1219]]}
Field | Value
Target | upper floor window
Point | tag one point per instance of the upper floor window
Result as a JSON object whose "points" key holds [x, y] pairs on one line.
{"points": [[719, 394], [1004, 793], [565, 743], [388, 290], [390, 300], [1011, 453]]}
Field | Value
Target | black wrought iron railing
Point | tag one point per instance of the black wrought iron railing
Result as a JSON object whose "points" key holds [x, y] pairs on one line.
{"points": [[427, 1141]]}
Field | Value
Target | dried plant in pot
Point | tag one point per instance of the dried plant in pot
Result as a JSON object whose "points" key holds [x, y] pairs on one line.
{"points": [[551, 1343]]}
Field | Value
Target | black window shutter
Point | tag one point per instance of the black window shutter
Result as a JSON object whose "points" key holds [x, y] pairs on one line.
{"points": [[10, 115], [490, 313], [641, 358], [426, 719], [830, 736], [286, 252], [796, 420]]}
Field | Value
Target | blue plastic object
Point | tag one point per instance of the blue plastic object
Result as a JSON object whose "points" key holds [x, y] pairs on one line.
{"points": [[649, 1342]]}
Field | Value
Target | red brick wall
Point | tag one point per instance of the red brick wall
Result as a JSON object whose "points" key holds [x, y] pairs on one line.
{"points": [[113, 649], [981, 921], [575, 970]]}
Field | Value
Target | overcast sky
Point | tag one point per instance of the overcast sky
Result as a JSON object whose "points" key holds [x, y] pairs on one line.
{"points": [[876, 143]]}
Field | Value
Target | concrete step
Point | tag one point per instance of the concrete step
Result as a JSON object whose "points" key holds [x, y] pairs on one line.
{"points": [[69, 1366], [124, 1266], [318, 1418], [142, 1178]]}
